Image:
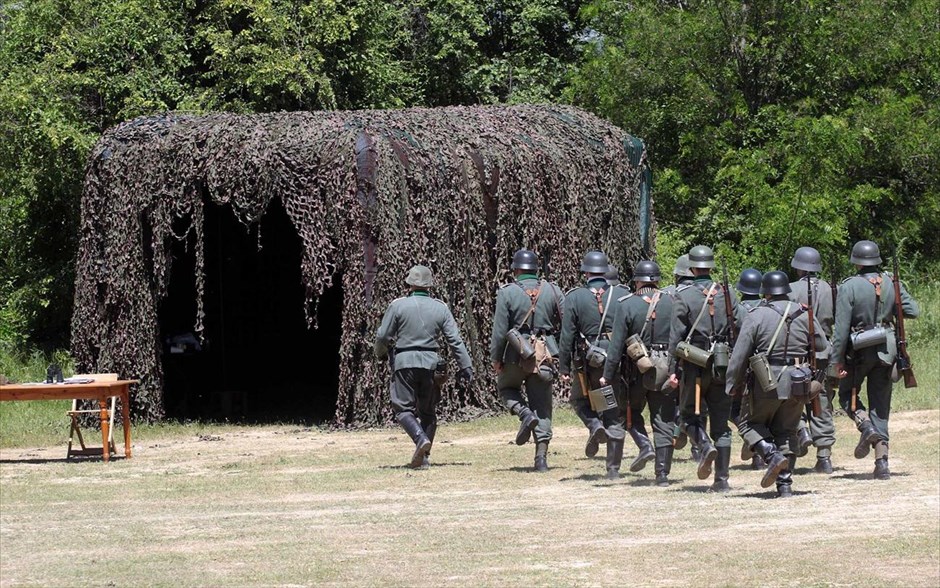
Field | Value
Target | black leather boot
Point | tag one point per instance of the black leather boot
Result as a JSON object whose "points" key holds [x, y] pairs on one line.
{"points": [[757, 462], [867, 438], [527, 423], [785, 484], [429, 430], [706, 450], [881, 461], [541, 456], [646, 452], [803, 441], [722, 470], [823, 461], [411, 426], [746, 453], [614, 457], [776, 462], [597, 436], [663, 465]]}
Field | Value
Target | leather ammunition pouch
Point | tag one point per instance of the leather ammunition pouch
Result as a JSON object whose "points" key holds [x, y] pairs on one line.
{"points": [[595, 356]]}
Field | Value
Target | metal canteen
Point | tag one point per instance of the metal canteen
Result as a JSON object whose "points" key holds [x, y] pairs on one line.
{"points": [[763, 375], [869, 337], [693, 354]]}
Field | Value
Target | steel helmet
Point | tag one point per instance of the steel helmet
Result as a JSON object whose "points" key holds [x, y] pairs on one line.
{"points": [[525, 259], [420, 276], [594, 262], [646, 271], [806, 259], [682, 267], [749, 282], [775, 283], [702, 257], [866, 253]]}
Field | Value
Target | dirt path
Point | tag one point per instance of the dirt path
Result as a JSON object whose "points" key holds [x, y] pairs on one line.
{"points": [[282, 506]]}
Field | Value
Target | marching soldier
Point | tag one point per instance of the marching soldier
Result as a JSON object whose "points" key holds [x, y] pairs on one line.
{"points": [[613, 278], [701, 333], [528, 312], [682, 274], [748, 287], [408, 337], [774, 340], [586, 325], [812, 430], [641, 328], [864, 348]]}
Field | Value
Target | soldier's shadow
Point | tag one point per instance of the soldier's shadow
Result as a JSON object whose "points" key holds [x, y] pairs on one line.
{"points": [[772, 494], [517, 469], [584, 478], [866, 476], [432, 465]]}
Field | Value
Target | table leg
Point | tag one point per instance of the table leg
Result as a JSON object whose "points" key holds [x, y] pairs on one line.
{"points": [[105, 428], [126, 420]]}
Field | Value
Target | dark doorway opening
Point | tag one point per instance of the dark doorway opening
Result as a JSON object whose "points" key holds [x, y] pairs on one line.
{"points": [[258, 362]]}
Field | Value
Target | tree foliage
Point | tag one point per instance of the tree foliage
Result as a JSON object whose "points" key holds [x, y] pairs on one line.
{"points": [[776, 124]]}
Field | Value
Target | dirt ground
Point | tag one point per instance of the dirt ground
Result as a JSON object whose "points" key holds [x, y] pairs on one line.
{"points": [[288, 506]]}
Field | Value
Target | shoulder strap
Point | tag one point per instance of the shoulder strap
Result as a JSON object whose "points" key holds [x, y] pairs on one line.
{"points": [[649, 312], [600, 326], [708, 296], [534, 301], [783, 319]]}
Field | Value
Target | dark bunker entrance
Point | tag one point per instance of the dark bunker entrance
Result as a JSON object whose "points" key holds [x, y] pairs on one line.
{"points": [[258, 362]]}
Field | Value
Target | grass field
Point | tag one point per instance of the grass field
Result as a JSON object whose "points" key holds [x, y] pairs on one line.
{"points": [[289, 506]]}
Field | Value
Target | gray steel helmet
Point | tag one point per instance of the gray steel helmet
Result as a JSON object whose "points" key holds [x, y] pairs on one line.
{"points": [[594, 262], [612, 275], [749, 282], [525, 260], [701, 256], [775, 283], [866, 253], [806, 259], [646, 271], [682, 267], [420, 276]]}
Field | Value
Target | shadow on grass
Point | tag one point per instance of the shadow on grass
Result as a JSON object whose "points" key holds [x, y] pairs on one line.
{"points": [[432, 464], [585, 478], [517, 469], [771, 494], [42, 460], [868, 476]]}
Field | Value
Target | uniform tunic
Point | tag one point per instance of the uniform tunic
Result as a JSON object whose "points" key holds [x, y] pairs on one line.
{"points": [[822, 428], [713, 326], [766, 416], [512, 306], [858, 307], [630, 320], [582, 321], [411, 327]]}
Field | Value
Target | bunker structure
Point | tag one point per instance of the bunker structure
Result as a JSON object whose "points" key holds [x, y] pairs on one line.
{"points": [[239, 265]]}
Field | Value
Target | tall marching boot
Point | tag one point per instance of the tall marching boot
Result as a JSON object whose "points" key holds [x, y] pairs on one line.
{"points": [[541, 456], [598, 435], [646, 452], [803, 442], [882, 472], [430, 431], [614, 457], [527, 423], [785, 482], [706, 450], [410, 424], [776, 462], [867, 438], [722, 470], [663, 465]]}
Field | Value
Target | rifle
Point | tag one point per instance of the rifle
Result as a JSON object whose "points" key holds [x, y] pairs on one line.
{"points": [[817, 405], [728, 312], [904, 360]]}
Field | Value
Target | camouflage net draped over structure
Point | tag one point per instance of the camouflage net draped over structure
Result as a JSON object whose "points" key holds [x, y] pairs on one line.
{"points": [[370, 193]]}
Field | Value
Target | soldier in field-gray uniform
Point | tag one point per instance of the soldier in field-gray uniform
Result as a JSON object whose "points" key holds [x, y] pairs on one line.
{"points": [[700, 323], [748, 287], [409, 334], [646, 314], [588, 320], [815, 430], [779, 329], [533, 309], [866, 303]]}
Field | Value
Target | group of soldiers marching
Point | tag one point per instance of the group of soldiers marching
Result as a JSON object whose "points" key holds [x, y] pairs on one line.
{"points": [[766, 355]]}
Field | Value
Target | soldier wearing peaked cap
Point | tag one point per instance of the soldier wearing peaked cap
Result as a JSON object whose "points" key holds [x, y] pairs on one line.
{"points": [[408, 336], [864, 348], [815, 430], [524, 351]]}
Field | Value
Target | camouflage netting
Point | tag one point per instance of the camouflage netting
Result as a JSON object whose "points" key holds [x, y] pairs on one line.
{"points": [[370, 193]]}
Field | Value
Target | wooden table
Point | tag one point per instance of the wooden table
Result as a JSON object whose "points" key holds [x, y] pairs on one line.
{"points": [[100, 391]]}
